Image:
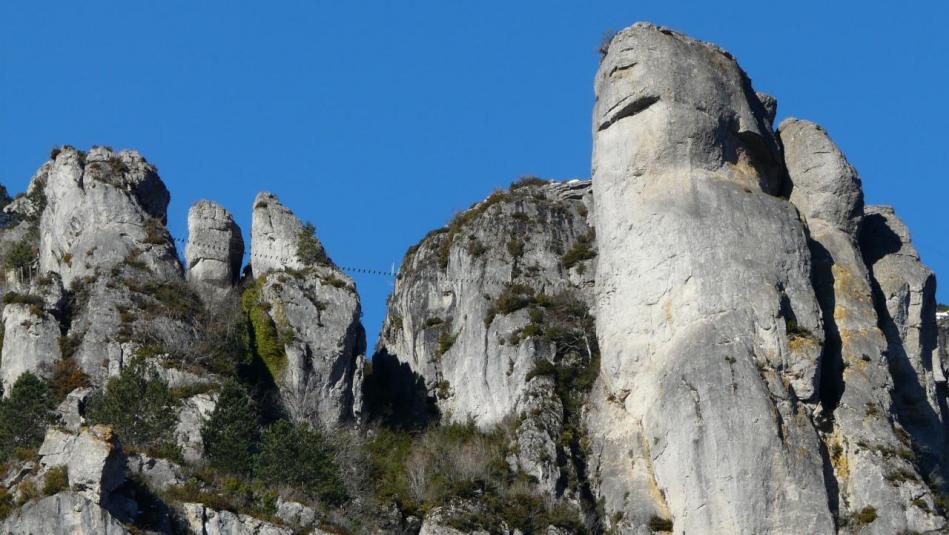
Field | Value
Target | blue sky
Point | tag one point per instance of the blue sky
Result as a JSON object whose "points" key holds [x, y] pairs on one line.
{"points": [[378, 120]]}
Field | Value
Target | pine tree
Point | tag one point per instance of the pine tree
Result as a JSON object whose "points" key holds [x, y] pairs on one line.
{"points": [[230, 434]]}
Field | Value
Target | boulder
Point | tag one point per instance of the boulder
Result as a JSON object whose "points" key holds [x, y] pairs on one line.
{"points": [[158, 474], [194, 412], [70, 412], [215, 248], [93, 459], [204, 520], [703, 302], [825, 186]]}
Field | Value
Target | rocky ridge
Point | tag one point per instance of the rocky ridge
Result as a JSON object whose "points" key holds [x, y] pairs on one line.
{"points": [[713, 335]]}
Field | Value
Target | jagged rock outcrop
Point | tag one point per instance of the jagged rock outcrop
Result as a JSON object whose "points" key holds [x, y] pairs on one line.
{"points": [[444, 321], [305, 315], [102, 235], [66, 512], [102, 207], [905, 299], [275, 235], [30, 342], [704, 301], [215, 248], [857, 359], [483, 314]]}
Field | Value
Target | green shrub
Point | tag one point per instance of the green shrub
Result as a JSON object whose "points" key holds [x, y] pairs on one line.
{"points": [[582, 249], [230, 434], [57, 480], [515, 247], [24, 415], [445, 341], [309, 250], [6, 503], [155, 232], [264, 340], [298, 456], [137, 404], [66, 376], [865, 516], [527, 181], [659, 524], [21, 255]]}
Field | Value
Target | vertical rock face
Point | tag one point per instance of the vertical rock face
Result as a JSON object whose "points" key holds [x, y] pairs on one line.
{"points": [[215, 248], [101, 208], [306, 317], [472, 324], [275, 234], [704, 301], [857, 358], [905, 298], [30, 342]]}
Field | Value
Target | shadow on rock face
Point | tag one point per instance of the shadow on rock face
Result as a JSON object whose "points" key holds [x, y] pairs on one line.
{"points": [[396, 396]]}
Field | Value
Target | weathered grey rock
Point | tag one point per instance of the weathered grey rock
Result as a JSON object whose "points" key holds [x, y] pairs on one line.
{"points": [[825, 186], [194, 412], [206, 521], [66, 513], [275, 234], [158, 474], [770, 106], [30, 205], [439, 323], [438, 520], [855, 382], [70, 411], [295, 513], [93, 459], [215, 248], [30, 343], [905, 299], [942, 325], [312, 309], [703, 286], [101, 208]]}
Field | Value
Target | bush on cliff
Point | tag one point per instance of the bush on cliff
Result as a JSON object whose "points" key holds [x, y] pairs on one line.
{"points": [[24, 415], [138, 405], [230, 435]]}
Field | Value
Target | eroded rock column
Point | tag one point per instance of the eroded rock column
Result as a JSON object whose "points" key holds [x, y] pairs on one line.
{"points": [[709, 328]]}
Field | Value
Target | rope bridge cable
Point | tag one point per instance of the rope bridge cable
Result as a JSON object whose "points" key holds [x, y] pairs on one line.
{"points": [[379, 272]]}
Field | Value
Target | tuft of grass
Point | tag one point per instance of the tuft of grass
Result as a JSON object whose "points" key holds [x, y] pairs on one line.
{"points": [[527, 181], [865, 516], [57, 480]]}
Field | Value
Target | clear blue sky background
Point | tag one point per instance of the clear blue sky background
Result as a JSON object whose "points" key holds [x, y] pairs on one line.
{"points": [[378, 120]]}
